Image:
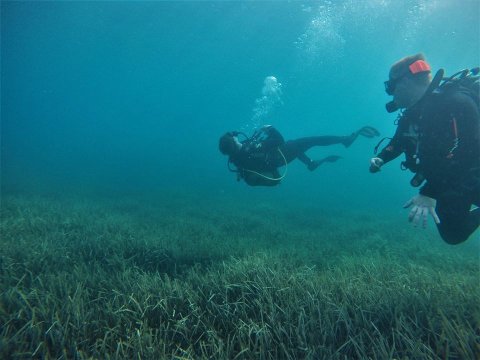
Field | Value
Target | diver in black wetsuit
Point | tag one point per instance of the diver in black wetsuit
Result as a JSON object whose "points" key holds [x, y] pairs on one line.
{"points": [[258, 158], [439, 133]]}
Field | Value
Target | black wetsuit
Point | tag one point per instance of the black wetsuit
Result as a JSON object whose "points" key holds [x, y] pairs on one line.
{"points": [[258, 160], [440, 137]]}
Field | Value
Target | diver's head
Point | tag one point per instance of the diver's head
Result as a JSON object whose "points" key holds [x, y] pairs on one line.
{"points": [[408, 80], [229, 144]]}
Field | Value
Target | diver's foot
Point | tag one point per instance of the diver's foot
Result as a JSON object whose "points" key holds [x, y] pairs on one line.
{"points": [[316, 163], [366, 131], [331, 158], [348, 140]]}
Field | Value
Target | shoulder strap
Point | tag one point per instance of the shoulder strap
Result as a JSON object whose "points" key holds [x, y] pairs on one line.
{"points": [[465, 81]]}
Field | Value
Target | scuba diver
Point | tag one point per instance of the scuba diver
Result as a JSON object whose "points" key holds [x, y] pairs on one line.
{"points": [[257, 158], [438, 131]]}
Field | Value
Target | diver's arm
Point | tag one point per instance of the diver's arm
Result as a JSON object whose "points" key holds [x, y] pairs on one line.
{"points": [[394, 148], [428, 190], [388, 153]]}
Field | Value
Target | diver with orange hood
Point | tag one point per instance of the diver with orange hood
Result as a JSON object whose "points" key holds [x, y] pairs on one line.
{"points": [[439, 133]]}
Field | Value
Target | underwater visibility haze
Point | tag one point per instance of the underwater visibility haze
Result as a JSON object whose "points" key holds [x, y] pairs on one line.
{"points": [[124, 235]]}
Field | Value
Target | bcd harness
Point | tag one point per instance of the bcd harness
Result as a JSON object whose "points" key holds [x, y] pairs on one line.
{"points": [[255, 141]]}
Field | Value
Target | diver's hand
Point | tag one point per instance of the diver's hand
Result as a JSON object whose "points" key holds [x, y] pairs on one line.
{"points": [[422, 206], [375, 164]]}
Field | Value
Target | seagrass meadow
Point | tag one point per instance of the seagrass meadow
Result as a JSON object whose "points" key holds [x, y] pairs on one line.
{"points": [[124, 233], [171, 277]]}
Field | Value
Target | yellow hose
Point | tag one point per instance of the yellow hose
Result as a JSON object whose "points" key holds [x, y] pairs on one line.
{"points": [[270, 178]]}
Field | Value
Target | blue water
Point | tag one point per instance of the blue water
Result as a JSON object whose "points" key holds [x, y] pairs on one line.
{"points": [[122, 97]]}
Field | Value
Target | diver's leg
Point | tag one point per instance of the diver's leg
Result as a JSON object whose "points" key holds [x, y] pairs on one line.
{"points": [[294, 148], [316, 163], [313, 164], [306, 143], [366, 131], [457, 221], [304, 159]]}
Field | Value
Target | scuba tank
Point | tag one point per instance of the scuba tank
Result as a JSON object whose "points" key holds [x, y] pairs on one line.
{"points": [[465, 81]]}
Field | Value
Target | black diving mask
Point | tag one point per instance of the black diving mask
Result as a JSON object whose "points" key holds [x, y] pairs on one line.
{"points": [[390, 86]]}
